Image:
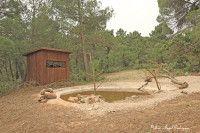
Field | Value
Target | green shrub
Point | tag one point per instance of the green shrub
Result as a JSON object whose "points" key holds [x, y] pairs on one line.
{"points": [[7, 86], [187, 69]]}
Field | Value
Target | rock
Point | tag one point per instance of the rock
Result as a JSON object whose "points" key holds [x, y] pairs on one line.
{"points": [[49, 95], [73, 99], [91, 100], [85, 100], [79, 97], [44, 100], [49, 90], [96, 99], [42, 97], [100, 96], [46, 90], [88, 99], [101, 100], [131, 98], [82, 101], [42, 91]]}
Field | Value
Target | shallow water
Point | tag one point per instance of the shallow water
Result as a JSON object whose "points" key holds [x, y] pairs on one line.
{"points": [[109, 96]]}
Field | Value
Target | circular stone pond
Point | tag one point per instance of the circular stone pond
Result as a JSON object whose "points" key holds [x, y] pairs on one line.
{"points": [[108, 96]]}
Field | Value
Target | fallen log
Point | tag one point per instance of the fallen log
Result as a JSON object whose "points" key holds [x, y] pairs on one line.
{"points": [[49, 95], [183, 85]]}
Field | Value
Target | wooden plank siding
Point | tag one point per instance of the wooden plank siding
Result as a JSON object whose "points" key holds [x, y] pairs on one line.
{"points": [[55, 74], [36, 66]]}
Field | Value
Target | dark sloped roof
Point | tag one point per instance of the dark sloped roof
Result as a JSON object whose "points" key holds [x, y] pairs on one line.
{"points": [[47, 49]]}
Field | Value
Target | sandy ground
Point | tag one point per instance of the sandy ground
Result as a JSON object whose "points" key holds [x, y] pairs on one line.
{"points": [[167, 111], [168, 92]]}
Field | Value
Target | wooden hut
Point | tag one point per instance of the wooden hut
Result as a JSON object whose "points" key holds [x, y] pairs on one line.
{"points": [[47, 65]]}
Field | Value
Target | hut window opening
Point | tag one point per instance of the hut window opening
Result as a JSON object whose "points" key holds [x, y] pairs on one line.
{"points": [[55, 64]]}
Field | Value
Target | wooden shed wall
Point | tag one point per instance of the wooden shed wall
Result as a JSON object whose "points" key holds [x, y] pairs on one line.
{"points": [[35, 67], [55, 74], [37, 70]]}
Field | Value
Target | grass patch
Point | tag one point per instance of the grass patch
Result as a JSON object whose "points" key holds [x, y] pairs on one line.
{"points": [[7, 86]]}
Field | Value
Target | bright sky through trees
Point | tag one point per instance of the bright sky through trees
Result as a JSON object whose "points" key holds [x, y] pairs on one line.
{"points": [[131, 15]]}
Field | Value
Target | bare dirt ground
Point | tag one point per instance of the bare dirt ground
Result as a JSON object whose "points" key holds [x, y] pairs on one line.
{"points": [[21, 112]]}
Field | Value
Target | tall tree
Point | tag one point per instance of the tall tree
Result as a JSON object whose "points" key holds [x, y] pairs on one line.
{"points": [[174, 12], [84, 17], [80, 14]]}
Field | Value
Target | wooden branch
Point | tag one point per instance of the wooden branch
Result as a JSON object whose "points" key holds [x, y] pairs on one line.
{"points": [[148, 79], [154, 76], [93, 74], [157, 83], [149, 71], [100, 84], [162, 68], [173, 80], [166, 76], [182, 84], [143, 86]]}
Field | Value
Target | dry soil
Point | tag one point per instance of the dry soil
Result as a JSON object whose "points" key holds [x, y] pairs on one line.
{"points": [[21, 112]]}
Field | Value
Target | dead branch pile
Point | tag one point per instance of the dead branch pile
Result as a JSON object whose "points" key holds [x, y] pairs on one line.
{"points": [[47, 94], [155, 76]]}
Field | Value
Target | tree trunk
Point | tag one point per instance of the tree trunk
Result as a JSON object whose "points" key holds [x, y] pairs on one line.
{"points": [[138, 57], [5, 67], [11, 70], [93, 48], [199, 62], [33, 25], [16, 67], [83, 41], [1, 71], [21, 69], [108, 50]]}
